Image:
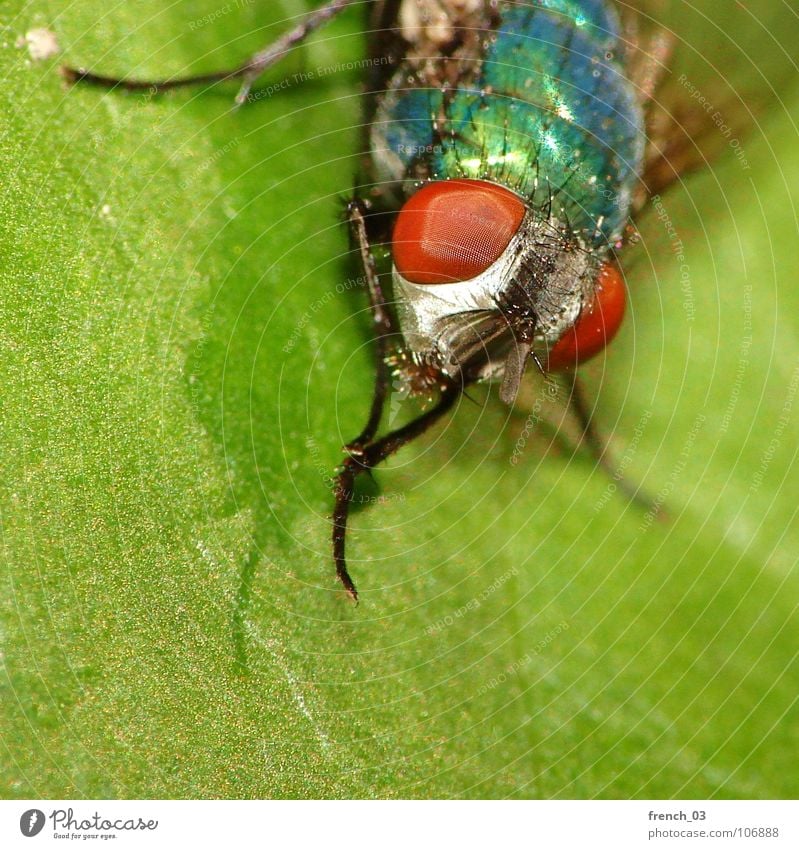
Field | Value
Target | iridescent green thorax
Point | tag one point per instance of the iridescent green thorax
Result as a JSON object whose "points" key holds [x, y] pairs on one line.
{"points": [[548, 112]]}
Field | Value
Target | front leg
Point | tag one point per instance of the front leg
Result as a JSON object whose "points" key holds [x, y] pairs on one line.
{"points": [[364, 452], [369, 457], [386, 329]]}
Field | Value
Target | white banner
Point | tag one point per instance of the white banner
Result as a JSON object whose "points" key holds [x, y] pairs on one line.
{"points": [[401, 824]]}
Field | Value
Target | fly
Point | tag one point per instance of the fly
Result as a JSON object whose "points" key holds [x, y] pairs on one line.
{"points": [[510, 146]]}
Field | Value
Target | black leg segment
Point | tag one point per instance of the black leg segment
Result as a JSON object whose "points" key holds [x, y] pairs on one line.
{"points": [[370, 456], [387, 332], [247, 72], [598, 445]]}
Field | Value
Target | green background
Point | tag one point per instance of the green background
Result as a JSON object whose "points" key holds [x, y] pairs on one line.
{"points": [[179, 369]]}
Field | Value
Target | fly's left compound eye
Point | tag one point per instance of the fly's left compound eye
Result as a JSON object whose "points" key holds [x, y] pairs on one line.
{"points": [[597, 325], [453, 230]]}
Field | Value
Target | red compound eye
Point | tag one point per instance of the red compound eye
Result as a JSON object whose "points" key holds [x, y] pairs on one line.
{"points": [[597, 325], [453, 230]]}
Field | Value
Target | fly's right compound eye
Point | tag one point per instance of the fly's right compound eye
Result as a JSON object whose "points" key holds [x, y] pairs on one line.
{"points": [[598, 323]]}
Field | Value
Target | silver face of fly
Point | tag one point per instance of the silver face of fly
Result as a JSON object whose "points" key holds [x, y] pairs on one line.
{"points": [[533, 292], [507, 153]]}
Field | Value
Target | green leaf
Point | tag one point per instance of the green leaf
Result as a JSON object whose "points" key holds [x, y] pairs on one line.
{"points": [[184, 349]]}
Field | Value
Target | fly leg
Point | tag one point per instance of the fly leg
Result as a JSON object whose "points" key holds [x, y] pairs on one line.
{"points": [[247, 72], [598, 445], [365, 452], [384, 324], [370, 456]]}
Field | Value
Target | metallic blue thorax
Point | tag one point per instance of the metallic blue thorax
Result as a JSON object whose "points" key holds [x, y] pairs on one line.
{"points": [[547, 111]]}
